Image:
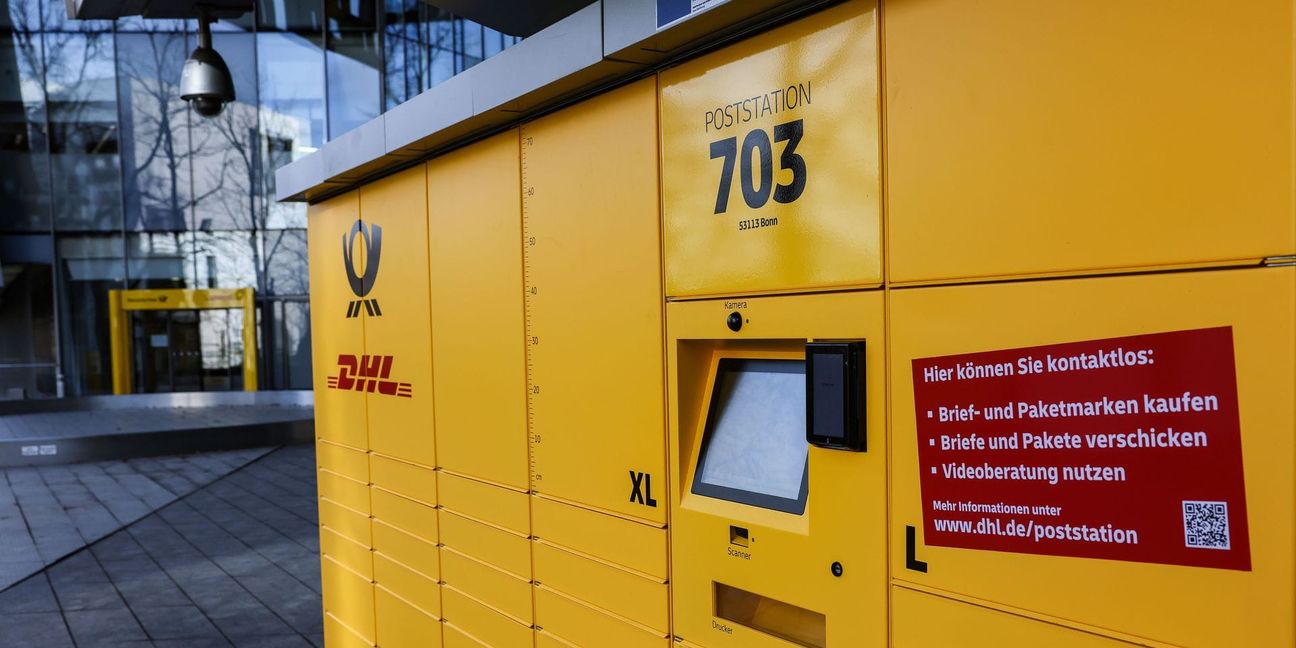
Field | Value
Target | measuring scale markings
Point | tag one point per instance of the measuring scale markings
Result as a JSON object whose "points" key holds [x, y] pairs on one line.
{"points": [[529, 292]]}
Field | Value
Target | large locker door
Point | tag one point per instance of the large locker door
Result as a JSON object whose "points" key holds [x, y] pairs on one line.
{"points": [[398, 336], [594, 308], [476, 264], [1114, 452], [337, 338]]}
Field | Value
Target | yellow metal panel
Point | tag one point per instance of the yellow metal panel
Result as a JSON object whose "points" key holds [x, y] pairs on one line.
{"points": [[546, 640], [479, 621], [620, 592], [119, 345], [504, 507], [456, 638], [1069, 136], [345, 461], [415, 482], [925, 621], [349, 523], [423, 592], [496, 588], [401, 625], [347, 552], [801, 103], [349, 597], [477, 333], [415, 518], [400, 426], [337, 635], [412, 552], [339, 415], [789, 557], [248, 300], [582, 625], [344, 490], [634, 545], [504, 549], [594, 296], [1169, 603]]}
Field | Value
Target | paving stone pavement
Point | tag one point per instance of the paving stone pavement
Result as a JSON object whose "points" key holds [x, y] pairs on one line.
{"points": [[49, 512], [235, 563]]}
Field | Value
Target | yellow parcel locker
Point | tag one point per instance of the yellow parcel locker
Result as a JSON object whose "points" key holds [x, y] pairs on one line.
{"points": [[577, 623], [921, 620], [594, 303], [402, 625], [398, 340], [420, 590], [343, 460], [774, 539], [1112, 452], [498, 589], [337, 635], [771, 166], [409, 480], [337, 340], [348, 597], [482, 622], [475, 246], [1063, 137]]}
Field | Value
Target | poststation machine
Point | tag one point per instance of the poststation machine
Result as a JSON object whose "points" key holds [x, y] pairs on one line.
{"points": [[921, 323]]}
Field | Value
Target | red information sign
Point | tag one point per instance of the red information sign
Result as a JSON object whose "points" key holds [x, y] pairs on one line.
{"points": [[1124, 449]]}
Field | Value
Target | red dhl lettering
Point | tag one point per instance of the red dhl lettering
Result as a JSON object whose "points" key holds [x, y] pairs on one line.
{"points": [[368, 373]]}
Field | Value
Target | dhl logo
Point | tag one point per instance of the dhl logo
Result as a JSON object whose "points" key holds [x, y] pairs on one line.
{"points": [[368, 373]]}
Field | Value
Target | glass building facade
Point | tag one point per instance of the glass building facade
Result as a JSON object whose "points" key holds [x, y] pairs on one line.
{"points": [[108, 180]]}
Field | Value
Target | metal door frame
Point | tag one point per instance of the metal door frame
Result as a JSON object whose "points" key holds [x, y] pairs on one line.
{"points": [[121, 302]]}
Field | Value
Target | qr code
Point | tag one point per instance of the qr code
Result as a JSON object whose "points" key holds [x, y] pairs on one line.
{"points": [[1206, 525]]}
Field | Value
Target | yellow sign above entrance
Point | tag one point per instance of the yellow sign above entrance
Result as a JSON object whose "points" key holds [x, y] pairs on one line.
{"points": [[180, 299], [771, 161]]}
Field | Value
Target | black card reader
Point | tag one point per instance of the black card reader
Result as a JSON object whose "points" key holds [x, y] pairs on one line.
{"points": [[835, 395]]}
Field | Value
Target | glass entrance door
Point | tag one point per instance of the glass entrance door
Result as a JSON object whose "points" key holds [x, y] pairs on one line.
{"points": [[186, 350]]}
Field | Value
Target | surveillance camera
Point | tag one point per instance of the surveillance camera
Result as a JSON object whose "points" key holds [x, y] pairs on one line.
{"points": [[205, 81]]}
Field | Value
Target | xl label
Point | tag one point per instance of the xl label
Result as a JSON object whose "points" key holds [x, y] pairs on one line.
{"points": [[1123, 449]]}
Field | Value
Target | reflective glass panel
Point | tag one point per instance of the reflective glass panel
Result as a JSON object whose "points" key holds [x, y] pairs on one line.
{"points": [[290, 73], [224, 260], [21, 15], [285, 262], [24, 159], [286, 323], [289, 15], [470, 43], [227, 148], [155, 143], [90, 266], [159, 260], [442, 44], [354, 65], [83, 141], [55, 18], [26, 300], [400, 52]]}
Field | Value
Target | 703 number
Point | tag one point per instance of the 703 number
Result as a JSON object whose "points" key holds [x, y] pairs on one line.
{"points": [[758, 141]]}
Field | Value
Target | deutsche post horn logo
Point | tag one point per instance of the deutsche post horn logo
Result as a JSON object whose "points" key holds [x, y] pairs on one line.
{"points": [[371, 237]]}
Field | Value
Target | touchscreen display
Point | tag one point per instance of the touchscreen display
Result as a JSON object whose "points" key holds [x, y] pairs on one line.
{"points": [[754, 450]]}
